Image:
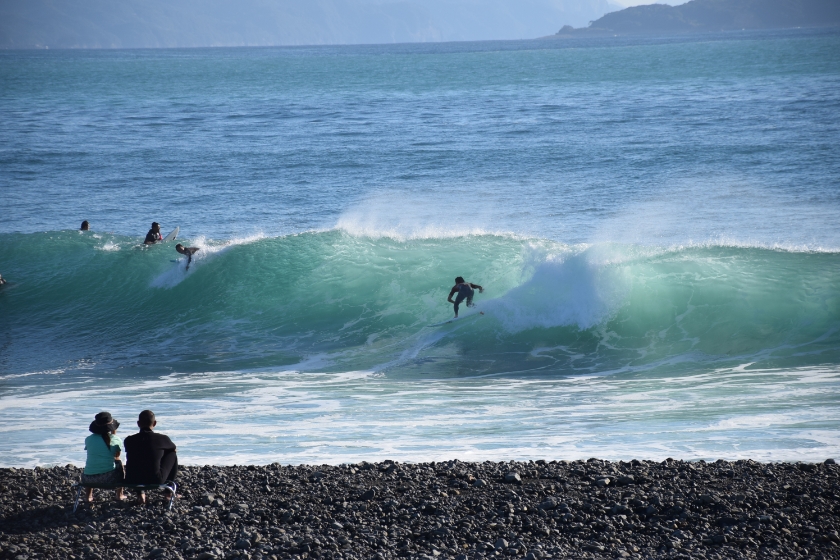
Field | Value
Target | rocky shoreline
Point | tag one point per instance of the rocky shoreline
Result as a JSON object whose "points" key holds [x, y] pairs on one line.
{"points": [[452, 509]]}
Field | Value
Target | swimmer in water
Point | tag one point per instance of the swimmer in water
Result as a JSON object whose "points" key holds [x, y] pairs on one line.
{"points": [[189, 251], [465, 290], [85, 226], [154, 235]]}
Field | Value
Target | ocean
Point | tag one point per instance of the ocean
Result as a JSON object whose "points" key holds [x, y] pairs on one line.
{"points": [[656, 224]]}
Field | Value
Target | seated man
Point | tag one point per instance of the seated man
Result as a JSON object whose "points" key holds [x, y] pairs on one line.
{"points": [[151, 457]]}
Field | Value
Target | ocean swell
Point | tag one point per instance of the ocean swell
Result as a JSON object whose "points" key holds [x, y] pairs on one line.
{"points": [[335, 301]]}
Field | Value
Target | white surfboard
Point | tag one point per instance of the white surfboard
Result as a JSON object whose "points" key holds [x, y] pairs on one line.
{"points": [[461, 316], [172, 235]]}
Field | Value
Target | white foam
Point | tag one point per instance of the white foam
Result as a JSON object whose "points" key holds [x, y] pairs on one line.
{"points": [[733, 242], [580, 289], [109, 246], [58, 371], [293, 417], [208, 250], [406, 217], [723, 210]]}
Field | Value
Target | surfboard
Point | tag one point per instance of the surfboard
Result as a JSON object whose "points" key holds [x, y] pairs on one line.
{"points": [[453, 319], [172, 235]]}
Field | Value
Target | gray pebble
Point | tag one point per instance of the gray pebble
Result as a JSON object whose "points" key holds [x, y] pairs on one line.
{"points": [[736, 509]]}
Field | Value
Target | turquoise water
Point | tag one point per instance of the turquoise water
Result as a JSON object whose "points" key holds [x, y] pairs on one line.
{"points": [[655, 224]]}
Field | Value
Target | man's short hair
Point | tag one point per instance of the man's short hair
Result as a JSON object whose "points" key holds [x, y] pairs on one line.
{"points": [[460, 280], [146, 419]]}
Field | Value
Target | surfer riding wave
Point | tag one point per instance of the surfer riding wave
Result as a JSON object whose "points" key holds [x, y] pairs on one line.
{"points": [[189, 251], [465, 290]]}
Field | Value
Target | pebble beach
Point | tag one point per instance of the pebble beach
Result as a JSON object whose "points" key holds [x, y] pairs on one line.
{"points": [[452, 509]]}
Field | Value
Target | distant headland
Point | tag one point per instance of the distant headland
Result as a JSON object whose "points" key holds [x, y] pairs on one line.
{"points": [[705, 16]]}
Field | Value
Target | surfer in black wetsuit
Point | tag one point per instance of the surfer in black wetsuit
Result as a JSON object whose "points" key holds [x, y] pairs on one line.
{"points": [[85, 226], [189, 251], [465, 290], [154, 235]]}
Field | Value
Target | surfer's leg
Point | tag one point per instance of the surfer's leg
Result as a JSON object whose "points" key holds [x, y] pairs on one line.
{"points": [[458, 299], [469, 301]]}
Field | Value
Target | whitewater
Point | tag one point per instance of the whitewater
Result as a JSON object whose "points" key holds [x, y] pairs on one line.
{"points": [[659, 247]]}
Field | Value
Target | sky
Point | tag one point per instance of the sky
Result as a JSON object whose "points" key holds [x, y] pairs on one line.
{"points": [[209, 23]]}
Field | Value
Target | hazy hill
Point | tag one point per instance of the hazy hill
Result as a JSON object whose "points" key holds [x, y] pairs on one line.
{"points": [[199, 23], [717, 15]]}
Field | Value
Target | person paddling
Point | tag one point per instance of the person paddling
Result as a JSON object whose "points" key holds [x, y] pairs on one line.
{"points": [[189, 251], [154, 235], [465, 290]]}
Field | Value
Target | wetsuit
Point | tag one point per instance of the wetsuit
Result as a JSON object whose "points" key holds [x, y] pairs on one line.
{"points": [[152, 237], [151, 458], [465, 292]]}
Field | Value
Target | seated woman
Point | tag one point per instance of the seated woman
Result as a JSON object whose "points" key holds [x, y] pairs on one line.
{"points": [[103, 465]]}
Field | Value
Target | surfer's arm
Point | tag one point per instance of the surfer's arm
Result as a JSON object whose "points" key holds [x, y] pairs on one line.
{"points": [[475, 287], [451, 293]]}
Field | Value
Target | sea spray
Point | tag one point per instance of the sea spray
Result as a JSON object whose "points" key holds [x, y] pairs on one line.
{"points": [[207, 251], [576, 288]]}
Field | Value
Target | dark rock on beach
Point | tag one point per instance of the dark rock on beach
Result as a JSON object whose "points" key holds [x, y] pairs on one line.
{"points": [[557, 509]]}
